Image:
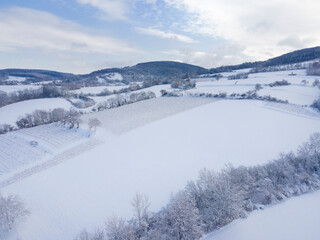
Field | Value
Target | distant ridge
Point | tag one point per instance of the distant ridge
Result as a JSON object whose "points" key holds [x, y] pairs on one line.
{"points": [[306, 54], [160, 71]]}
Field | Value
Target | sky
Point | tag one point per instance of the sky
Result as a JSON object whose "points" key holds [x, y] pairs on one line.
{"points": [[80, 36]]}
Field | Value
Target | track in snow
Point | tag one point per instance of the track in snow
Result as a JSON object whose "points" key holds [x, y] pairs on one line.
{"points": [[77, 150]]}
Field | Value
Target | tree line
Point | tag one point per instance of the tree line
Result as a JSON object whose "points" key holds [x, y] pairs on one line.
{"points": [[46, 91], [217, 198]]}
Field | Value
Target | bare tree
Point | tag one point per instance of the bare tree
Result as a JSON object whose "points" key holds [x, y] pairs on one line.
{"points": [[141, 206], [98, 234], [117, 229], [11, 209], [94, 123]]}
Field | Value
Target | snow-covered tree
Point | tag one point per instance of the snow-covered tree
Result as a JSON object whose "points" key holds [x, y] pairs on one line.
{"points": [[94, 123], [183, 218], [118, 229], [11, 210], [140, 205]]}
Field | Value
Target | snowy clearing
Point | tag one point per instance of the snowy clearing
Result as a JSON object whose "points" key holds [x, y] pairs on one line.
{"points": [[156, 159], [295, 219], [10, 113]]}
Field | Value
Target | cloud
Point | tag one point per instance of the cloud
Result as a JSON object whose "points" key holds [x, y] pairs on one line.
{"points": [[223, 54], [32, 29], [114, 9], [164, 35], [263, 28]]}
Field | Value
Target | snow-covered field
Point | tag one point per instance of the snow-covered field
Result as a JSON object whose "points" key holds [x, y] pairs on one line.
{"points": [[10, 113], [154, 159], [71, 180], [296, 93], [295, 219], [22, 149], [14, 88]]}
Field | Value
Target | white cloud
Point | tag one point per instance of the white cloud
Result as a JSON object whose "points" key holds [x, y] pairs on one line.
{"points": [[32, 29], [164, 35], [223, 54], [114, 9], [263, 28]]}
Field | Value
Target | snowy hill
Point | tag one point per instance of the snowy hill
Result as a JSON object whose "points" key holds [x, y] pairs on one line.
{"points": [[159, 158], [72, 179], [297, 218]]}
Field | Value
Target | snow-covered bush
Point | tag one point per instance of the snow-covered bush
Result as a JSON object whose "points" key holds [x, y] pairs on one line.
{"points": [[258, 87], [239, 76], [41, 117], [279, 83], [316, 104], [174, 93], [183, 84], [4, 128], [105, 92], [316, 83]]}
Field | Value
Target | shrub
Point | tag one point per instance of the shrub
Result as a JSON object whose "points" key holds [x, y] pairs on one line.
{"points": [[279, 83]]}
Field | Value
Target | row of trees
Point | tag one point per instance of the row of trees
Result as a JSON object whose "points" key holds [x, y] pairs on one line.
{"points": [[247, 95], [123, 99], [41, 117], [279, 83], [46, 91], [217, 198]]}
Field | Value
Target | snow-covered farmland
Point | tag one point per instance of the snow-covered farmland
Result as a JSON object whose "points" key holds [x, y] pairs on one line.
{"points": [[14, 88], [155, 159], [297, 218], [10, 113], [296, 93], [22, 149]]}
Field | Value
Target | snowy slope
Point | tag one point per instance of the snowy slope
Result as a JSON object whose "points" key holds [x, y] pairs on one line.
{"points": [[155, 159], [10, 113], [296, 93], [18, 153], [295, 219]]}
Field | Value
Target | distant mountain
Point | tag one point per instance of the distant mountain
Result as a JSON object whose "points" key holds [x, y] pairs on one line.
{"points": [[153, 72], [302, 55], [150, 71], [34, 75]]}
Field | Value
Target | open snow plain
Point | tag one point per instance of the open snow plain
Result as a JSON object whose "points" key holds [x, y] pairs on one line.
{"points": [[155, 158]]}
